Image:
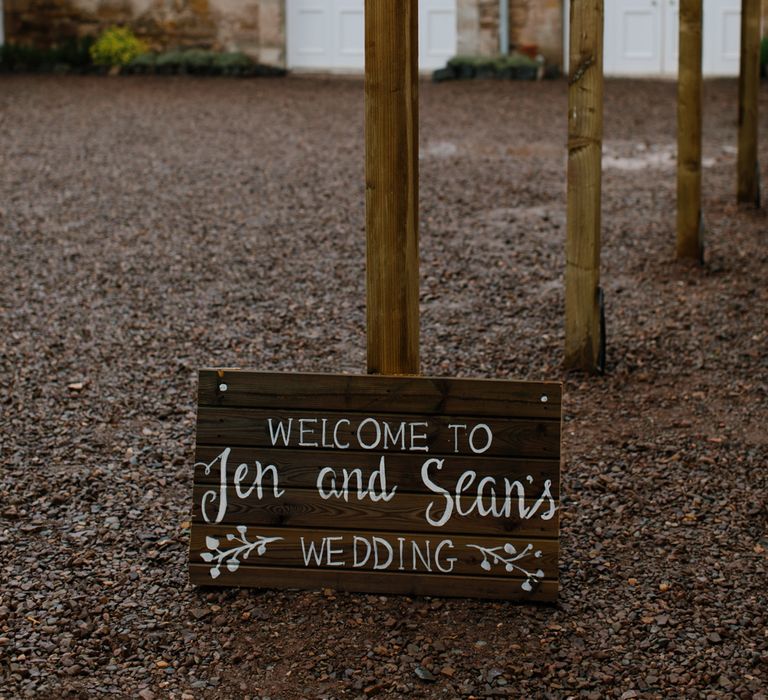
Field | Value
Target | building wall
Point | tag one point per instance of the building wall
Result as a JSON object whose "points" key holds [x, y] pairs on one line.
{"points": [[256, 27], [536, 23], [477, 27]]}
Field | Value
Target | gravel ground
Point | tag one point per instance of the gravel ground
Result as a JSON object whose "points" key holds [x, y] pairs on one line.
{"points": [[154, 226]]}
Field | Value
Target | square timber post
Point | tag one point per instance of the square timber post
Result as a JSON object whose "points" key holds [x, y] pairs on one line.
{"points": [[690, 227], [584, 323], [391, 185], [749, 86]]}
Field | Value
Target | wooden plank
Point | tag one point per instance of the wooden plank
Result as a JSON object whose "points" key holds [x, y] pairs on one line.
{"points": [[690, 243], [585, 143], [251, 427], [406, 512], [337, 392], [300, 468], [380, 582], [342, 473], [749, 86], [369, 550], [391, 185]]}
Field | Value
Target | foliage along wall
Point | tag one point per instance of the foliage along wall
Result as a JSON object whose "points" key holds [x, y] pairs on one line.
{"points": [[255, 27]]}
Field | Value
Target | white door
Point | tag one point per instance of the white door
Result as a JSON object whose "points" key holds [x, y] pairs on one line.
{"points": [[642, 37], [722, 37], [308, 27], [330, 34], [633, 40], [325, 34], [437, 33], [671, 37], [347, 39]]}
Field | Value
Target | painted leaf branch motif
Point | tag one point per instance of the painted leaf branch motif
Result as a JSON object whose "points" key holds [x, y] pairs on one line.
{"points": [[507, 556], [240, 549]]}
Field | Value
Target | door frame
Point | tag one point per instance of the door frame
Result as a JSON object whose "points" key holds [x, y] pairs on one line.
{"points": [[706, 62], [342, 70]]}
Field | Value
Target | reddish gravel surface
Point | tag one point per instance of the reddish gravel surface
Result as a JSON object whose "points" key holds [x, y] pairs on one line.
{"points": [[151, 227]]}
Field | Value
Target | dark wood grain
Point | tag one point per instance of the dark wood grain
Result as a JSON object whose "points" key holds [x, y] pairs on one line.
{"points": [[249, 427], [392, 185], [341, 417], [288, 551], [403, 395], [405, 512], [300, 468], [379, 582], [748, 181]]}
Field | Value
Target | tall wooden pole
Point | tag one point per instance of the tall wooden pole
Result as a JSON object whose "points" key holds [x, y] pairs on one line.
{"points": [[391, 185], [585, 145], [749, 83], [690, 243]]}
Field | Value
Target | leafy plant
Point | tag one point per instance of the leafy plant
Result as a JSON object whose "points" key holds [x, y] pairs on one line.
{"points": [[233, 64], [75, 53], [198, 61], [117, 46], [514, 66], [71, 54], [169, 62], [143, 64]]}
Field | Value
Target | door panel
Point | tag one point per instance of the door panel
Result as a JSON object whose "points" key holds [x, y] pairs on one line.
{"points": [[330, 34], [633, 37], [348, 41], [671, 36], [722, 36], [309, 28], [642, 37], [437, 32]]}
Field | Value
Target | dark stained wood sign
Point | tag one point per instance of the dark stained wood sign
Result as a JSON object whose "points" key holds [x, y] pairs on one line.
{"points": [[411, 485]]}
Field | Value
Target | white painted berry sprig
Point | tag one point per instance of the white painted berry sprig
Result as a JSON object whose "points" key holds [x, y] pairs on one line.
{"points": [[493, 556], [231, 557]]}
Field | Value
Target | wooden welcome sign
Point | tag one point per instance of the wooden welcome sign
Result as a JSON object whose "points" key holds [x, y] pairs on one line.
{"points": [[410, 485]]}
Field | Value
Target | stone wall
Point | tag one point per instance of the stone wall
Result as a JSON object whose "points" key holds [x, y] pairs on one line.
{"points": [[477, 34], [538, 23], [531, 22], [256, 27]]}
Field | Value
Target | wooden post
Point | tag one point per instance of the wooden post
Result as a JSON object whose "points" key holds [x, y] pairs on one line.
{"points": [[690, 243], [749, 83], [391, 185], [583, 347]]}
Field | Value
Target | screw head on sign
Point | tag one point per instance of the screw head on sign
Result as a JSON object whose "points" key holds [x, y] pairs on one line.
{"points": [[223, 387], [544, 399]]}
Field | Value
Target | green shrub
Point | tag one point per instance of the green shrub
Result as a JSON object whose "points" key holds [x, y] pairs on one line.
{"points": [[517, 66], [234, 63], [143, 64], [14, 57], [198, 61], [169, 62], [71, 54], [516, 60], [514, 66], [117, 46]]}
